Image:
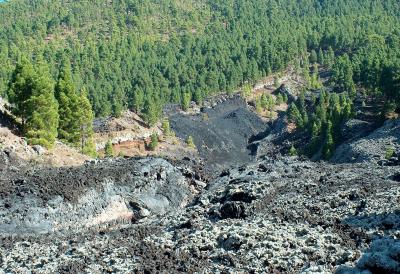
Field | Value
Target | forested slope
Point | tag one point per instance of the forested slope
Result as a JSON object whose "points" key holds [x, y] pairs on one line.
{"points": [[143, 53]]}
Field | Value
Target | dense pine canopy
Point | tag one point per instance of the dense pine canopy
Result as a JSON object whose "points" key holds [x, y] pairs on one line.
{"points": [[140, 54]]}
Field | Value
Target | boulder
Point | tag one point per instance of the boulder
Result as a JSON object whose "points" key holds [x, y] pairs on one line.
{"points": [[233, 210]]}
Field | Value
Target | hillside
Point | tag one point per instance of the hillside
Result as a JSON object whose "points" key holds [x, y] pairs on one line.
{"points": [[200, 136], [127, 52]]}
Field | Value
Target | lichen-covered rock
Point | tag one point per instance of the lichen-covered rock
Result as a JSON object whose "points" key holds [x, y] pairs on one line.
{"points": [[272, 216], [372, 148]]}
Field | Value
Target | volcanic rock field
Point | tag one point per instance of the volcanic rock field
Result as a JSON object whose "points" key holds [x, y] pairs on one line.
{"points": [[229, 212]]}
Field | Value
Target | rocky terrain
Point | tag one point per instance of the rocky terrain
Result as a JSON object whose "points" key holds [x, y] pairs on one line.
{"points": [[149, 215], [240, 207], [372, 147]]}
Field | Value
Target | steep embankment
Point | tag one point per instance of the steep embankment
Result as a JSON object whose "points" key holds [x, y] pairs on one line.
{"points": [[221, 133]]}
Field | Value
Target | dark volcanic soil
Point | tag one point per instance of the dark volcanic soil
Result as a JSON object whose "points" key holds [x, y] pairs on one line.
{"points": [[222, 134]]}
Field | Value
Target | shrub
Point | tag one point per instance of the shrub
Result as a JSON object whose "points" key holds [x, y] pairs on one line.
{"points": [[293, 151], [190, 142], [389, 153], [108, 149], [154, 141]]}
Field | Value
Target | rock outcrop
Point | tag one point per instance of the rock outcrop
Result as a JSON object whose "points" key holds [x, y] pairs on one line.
{"points": [[95, 195], [371, 148]]}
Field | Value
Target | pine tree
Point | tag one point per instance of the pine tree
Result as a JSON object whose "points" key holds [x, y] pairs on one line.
{"points": [[186, 98], [315, 81], [343, 75], [246, 91], [85, 120], [295, 116], [271, 102], [315, 138], [264, 101], [258, 105], [329, 57], [138, 100], [68, 100], [117, 102], [166, 127], [42, 111], [313, 57], [150, 111], [329, 143], [285, 98], [279, 99], [154, 141], [109, 150], [20, 89], [276, 82], [321, 58]]}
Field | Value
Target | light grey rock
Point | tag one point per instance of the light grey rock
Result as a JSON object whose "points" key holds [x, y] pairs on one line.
{"points": [[300, 217], [39, 149], [371, 148]]}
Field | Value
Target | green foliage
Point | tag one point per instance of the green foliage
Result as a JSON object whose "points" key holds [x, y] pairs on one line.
{"points": [[154, 141], [76, 115], [295, 116], [246, 91], [190, 142], [389, 153], [343, 75], [315, 82], [313, 57], [267, 103], [329, 112], [258, 106], [32, 92], [124, 51], [285, 98], [85, 118], [279, 99], [138, 100], [150, 111], [390, 83], [166, 127], [315, 142], [276, 82], [109, 149], [68, 100], [329, 57], [20, 89], [47, 111], [321, 57], [185, 103], [293, 151], [329, 145]]}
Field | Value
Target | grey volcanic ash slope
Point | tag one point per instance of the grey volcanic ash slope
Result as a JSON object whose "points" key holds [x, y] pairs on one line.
{"points": [[221, 133], [147, 216]]}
